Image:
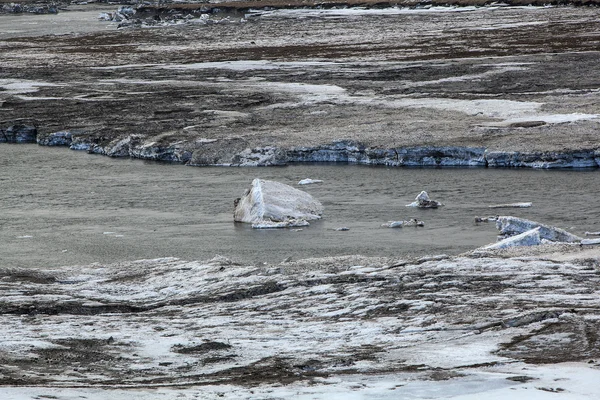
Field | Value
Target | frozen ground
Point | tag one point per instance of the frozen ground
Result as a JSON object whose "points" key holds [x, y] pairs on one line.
{"points": [[505, 79], [351, 327], [498, 78]]}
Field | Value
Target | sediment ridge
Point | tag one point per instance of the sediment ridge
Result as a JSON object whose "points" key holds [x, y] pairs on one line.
{"points": [[234, 154], [489, 87], [213, 153]]}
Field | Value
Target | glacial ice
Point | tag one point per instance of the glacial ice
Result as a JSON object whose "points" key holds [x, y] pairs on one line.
{"points": [[270, 204]]}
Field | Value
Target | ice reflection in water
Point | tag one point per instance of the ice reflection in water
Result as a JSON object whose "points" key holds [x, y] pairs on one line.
{"points": [[61, 207]]}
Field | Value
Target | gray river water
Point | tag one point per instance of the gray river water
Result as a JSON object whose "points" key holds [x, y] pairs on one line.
{"points": [[61, 207], [81, 20]]}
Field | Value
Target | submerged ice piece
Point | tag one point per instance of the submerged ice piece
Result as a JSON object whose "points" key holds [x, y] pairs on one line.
{"points": [[510, 226], [309, 181], [270, 204], [512, 205], [400, 224], [423, 201]]}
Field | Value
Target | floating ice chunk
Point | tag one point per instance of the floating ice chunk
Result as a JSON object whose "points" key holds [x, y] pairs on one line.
{"points": [[400, 224], [104, 16], [284, 224], [309, 181], [588, 242], [270, 204], [490, 218], [528, 238], [24, 237], [512, 205], [423, 201], [394, 224], [510, 226]]}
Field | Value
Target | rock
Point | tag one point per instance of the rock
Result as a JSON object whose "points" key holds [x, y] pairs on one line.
{"points": [[510, 226], [309, 181], [61, 138], [512, 205], [18, 134], [423, 201], [400, 224], [270, 204], [528, 238]]}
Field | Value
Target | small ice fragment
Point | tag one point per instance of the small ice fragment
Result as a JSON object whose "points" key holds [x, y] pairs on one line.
{"points": [[107, 233], [490, 218], [309, 181], [512, 205], [400, 224], [589, 242], [394, 224], [24, 237], [423, 201]]}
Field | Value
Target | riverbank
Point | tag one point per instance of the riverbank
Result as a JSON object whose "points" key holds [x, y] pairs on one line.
{"points": [[472, 325], [495, 86]]}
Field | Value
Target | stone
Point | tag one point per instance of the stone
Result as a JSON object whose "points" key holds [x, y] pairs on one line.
{"points": [[528, 238], [423, 201], [270, 204], [18, 134], [510, 226]]}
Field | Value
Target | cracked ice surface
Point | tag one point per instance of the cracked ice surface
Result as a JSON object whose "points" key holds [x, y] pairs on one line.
{"points": [[329, 321]]}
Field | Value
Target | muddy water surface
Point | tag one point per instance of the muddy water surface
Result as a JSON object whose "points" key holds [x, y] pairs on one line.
{"points": [[61, 207], [82, 19]]}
